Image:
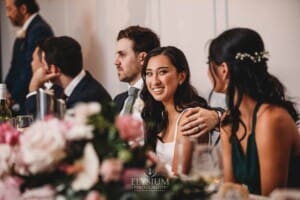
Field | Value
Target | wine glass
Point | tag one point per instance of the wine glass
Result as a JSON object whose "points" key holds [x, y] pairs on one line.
{"points": [[206, 165], [13, 122], [23, 121]]}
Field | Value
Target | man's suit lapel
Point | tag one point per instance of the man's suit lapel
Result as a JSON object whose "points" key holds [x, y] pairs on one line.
{"points": [[120, 99], [77, 91], [25, 41], [35, 21]]}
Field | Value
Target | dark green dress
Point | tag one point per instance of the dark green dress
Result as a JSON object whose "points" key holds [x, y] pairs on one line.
{"points": [[246, 167]]}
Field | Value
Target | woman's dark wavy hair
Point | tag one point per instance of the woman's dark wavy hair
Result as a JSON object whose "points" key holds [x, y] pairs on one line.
{"points": [[245, 76], [153, 113]]}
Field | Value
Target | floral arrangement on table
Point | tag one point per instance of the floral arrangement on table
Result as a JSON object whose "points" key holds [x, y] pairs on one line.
{"points": [[91, 154]]}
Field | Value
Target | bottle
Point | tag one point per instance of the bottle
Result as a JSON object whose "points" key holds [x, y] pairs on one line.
{"points": [[5, 113]]}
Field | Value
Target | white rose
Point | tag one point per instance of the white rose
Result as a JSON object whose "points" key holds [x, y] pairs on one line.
{"points": [[89, 175], [80, 113], [78, 132]]}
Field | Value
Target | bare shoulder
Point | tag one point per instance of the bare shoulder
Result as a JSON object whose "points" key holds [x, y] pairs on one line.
{"points": [[274, 122], [273, 112]]}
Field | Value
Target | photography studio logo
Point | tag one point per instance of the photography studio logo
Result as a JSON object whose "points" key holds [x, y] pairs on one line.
{"points": [[149, 181]]}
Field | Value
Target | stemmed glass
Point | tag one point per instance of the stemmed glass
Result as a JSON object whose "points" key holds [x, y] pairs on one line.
{"points": [[23, 121], [207, 165]]}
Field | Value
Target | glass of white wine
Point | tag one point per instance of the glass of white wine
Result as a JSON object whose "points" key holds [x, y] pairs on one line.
{"points": [[23, 121], [206, 165]]}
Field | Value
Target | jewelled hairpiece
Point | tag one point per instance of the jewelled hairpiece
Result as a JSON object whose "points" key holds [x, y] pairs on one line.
{"points": [[256, 58]]}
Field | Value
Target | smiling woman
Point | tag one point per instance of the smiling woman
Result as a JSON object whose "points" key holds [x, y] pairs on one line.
{"points": [[167, 93], [162, 79]]}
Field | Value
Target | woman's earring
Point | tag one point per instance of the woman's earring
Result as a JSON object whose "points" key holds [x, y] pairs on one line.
{"points": [[163, 114], [226, 86]]}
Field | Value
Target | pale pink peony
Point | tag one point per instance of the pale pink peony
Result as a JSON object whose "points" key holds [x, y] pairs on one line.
{"points": [[9, 188], [42, 145], [8, 134], [111, 170], [130, 128]]}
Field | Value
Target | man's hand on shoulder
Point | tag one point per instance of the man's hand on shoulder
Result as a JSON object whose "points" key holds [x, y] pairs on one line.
{"points": [[198, 121]]}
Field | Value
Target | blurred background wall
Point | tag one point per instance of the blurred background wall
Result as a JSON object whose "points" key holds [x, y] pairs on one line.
{"points": [[187, 24]]}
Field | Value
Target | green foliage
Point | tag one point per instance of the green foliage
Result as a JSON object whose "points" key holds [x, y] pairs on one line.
{"points": [[107, 141]]}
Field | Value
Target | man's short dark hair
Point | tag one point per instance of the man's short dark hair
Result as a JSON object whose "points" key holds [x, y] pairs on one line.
{"points": [[32, 6], [144, 39], [65, 53]]}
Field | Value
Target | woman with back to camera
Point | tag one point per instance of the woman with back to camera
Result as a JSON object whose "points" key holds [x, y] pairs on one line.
{"points": [[260, 141], [167, 93]]}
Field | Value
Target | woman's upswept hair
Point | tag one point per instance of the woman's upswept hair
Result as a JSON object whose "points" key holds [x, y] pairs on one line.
{"points": [[153, 113], [242, 49]]}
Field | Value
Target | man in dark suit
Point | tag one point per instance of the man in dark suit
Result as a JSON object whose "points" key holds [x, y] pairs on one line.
{"points": [[133, 44], [63, 66], [24, 14]]}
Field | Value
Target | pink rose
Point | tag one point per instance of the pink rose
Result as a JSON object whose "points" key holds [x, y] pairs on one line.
{"points": [[111, 170], [8, 134], [129, 127]]}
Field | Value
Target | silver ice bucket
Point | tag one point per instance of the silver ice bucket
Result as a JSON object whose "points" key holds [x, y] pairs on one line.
{"points": [[60, 108], [45, 104]]}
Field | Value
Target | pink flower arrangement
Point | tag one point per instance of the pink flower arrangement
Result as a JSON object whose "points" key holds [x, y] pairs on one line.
{"points": [[52, 151], [42, 148]]}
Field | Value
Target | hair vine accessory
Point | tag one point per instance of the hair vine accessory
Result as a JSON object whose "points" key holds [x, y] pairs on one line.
{"points": [[256, 58]]}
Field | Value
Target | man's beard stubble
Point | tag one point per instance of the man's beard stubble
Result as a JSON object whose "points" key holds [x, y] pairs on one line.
{"points": [[18, 20]]}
